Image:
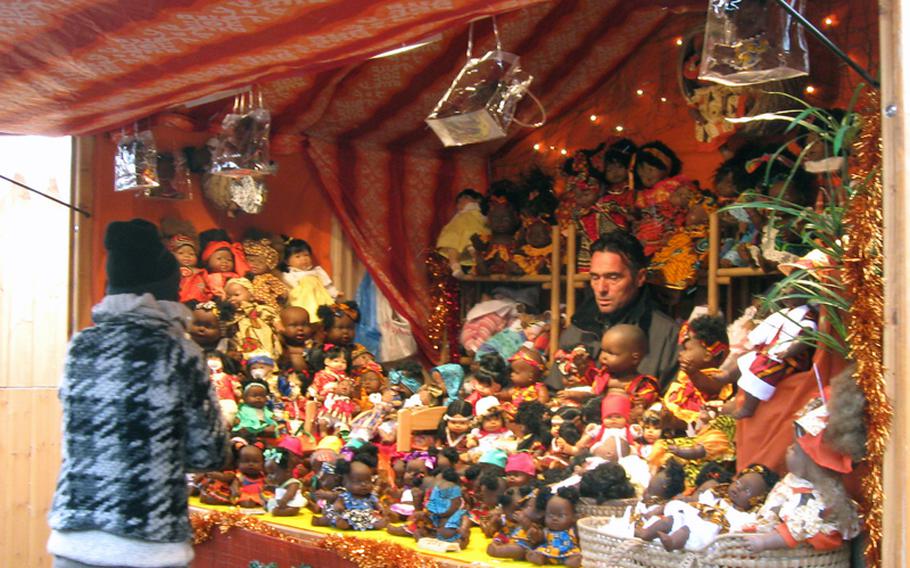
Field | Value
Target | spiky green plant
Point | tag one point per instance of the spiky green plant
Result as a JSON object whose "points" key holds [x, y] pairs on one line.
{"points": [[819, 230]]}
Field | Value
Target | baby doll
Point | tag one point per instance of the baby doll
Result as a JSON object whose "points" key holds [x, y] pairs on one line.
{"points": [[617, 160], [677, 263], [566, 434], [310, 286], [444, 512], [369, 380], [184, 245], [577, 369], [215, 486], [584, 188], [492, 432], [649, 430], [262, 257], [527, 369], [454, 239], [695, 525], [455, 425], [338, 408], [520, 470], [503, 521], [408, 381], [288, 497], [527, 531], [530, 428], [357, 507], [622, 348], [482, 501], [253, 418], [703, 346], [780, 349], [560, 544], [339, 325], [221, 259], [227, 387], [450, 378], [488, 379], [331, 365], [260, 366], [406, 494], [614, 412], [325, 485], [248, 485], [608, 481], [380, 419], [254, 325], [297, 338], [713, 440], [662, 194], [493, 253]]}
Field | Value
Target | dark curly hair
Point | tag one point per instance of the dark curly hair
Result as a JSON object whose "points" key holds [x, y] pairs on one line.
{"points": [[530, 415], [328, 314], [709, 329], [713, 471], [606, 481], [768, 475], [317, 357], [492, 369], [676, 477]]}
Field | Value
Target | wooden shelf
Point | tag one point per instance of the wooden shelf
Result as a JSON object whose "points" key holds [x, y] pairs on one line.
{"points": [[506, 279]]}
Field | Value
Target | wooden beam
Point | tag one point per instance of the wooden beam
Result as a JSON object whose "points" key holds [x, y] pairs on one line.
{"points": [[80, 300]]}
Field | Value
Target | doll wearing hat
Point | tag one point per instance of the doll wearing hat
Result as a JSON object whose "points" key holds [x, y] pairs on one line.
{"points": [[221, 259], [254, 325], [491, 432], [262, 258], [182, 241]]}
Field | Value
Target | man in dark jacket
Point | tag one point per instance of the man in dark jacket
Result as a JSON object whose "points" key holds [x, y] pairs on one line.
{"points": [[618, 271]]}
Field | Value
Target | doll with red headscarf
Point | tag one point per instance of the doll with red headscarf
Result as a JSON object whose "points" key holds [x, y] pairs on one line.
{"points": [[662, 194], [180, 238], [222, 260]]}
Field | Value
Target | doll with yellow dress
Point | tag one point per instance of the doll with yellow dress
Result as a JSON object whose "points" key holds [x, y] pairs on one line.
{"points": [[310, 285]]}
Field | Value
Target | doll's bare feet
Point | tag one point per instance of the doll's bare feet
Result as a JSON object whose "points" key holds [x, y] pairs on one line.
{"points": [[397, 530], [464, 536], [342, 524], [650, 532], [509, 550], [380, 524], [748, 407], [676, 540], [535, 557], [321, 522], [573, 561]]}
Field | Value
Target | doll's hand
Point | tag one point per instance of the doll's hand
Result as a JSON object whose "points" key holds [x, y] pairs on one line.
{"points": [[535, 535], [470, 443], [765, 541]]}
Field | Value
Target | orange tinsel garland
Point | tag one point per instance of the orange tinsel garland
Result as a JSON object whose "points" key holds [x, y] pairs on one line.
{"points": [[863, 279], [375, 553], [204, 523]]}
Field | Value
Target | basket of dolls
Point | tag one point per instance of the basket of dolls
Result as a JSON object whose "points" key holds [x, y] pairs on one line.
{"points": [[588, 507], [602, 550]]}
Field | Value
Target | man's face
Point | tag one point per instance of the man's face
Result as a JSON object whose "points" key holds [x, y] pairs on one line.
{"points": [[613, 283]]}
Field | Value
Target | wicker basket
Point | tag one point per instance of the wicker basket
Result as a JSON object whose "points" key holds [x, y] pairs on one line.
{"points": [[614, 508], [599, 550]]}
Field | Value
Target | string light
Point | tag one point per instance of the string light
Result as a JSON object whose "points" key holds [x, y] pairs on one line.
{"points": [[552, 147], [663, 99], [536, 147], [810, 89], [593, 118], [619, 128], [639, 92], [563, 151], [830, 21], [679, 41]]}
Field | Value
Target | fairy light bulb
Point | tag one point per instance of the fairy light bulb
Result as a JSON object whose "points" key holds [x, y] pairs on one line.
{"points": [[563, 151], [679, 41], [593, 118], [619, 128], [663, 99], [810, 89], [640, 92], [552, 147], [537, 147]]}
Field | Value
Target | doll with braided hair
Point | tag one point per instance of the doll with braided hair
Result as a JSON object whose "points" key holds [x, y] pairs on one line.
{"points": [[263, 258]]}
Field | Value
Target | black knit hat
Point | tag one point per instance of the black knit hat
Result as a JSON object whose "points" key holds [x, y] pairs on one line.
{"points": [[138, 262]]}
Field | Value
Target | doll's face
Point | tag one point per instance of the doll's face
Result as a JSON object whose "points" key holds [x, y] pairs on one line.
{"points": [[237, 295], [560, 515], [414, 472], [649, 175], [490, 497], [724, 186], [693, 353], [337, 363], [360, 480], [295, 326], [492, 423], [205, 329], [502, 218], [651, 432], [249, 461], [555, 423], [257, 264], [616, 353], [301, 260], [344, 388], [659, 486], [586, 193], [341, 332], [616, 172], [261, 370], [458, 424], [370, 382], [186, 256], [529, 515], [275, 474], [746, 490], [485, 389], [517, 478], [221, 261], [255, 396], [538, 234], [362, 359], [614, 420], [523, 373]]}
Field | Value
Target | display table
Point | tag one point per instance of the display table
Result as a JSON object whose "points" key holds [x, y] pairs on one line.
{"points": [[237, 547]]}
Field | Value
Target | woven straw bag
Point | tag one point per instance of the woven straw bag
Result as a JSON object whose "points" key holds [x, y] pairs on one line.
{"points": [[614, 508]]}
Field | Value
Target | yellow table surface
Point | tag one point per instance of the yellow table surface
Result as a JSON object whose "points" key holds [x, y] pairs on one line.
{"points": [[475, 554]]}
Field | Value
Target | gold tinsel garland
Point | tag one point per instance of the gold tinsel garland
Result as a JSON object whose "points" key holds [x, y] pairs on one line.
{"points": [[863, 280], [375, 553], [204, 523], [444, 318]]}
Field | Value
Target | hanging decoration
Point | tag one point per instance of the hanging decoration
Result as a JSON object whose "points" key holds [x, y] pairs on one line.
{"points": [[135, 163], [863, 279], [375, 553], [753, 41], [174, 178], [444, 319], [242, 146], [480, 103], [204, 523], [246, 194]]}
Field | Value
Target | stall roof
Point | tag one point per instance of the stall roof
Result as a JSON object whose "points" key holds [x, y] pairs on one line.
{"points": [[86, 66]]}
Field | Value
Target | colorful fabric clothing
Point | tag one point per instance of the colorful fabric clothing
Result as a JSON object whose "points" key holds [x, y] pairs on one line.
{"points": [[193, 285], [254, 420], [686, 402], [717, 438], [254, 328], [215, 282], [457, 233], [310, 289], [321, 381], [557, 545], [216, 489], [438, 504], [362, 513], [609, 214], [660, 217], [798, 512], [525, 394], [645, 387], [764, 367], [677, 263], [297, 501], [251, 488], [268, 289]]}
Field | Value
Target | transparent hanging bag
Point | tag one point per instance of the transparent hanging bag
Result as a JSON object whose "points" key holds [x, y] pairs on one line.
{"points": [[242, 147], [136, 162], [753, 41], [480, 103], [174, 178]]}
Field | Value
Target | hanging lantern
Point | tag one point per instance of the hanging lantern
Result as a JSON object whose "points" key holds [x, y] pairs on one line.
{"points": [[753, 41]]}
